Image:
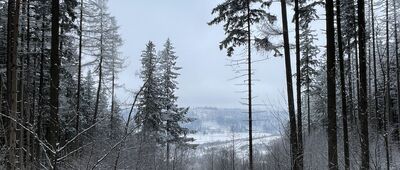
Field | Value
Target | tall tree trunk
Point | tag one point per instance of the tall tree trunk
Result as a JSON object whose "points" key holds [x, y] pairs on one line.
{"points": [[12, 46], [377, 115], [298, 89], [356, 68], [342, 87], [78, 94], [397, 121], [96, 109], [292, 116], [250, 97], [388, 97], [21, 98], [308, 96], [384, 115], [363, 100], [356, 65], [53, 128], [308, 108], [168, 150], [331, 86], [350, 82], [21, 89], [388, 117], [233, 150], [112, 98], [41, 93], [30, 99]]}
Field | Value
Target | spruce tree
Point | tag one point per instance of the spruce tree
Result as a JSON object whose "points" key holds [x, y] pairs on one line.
{"points": [[309, 51], [87, 100], [172, 115], [309, 64], [148, 117]]}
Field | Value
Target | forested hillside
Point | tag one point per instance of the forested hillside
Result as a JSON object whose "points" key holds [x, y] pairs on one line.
{"points": [[223, 120]]}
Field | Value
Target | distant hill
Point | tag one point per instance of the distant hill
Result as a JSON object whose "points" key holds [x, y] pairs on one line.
{"points": [[225, 120], [211, 120], [217, 127]]}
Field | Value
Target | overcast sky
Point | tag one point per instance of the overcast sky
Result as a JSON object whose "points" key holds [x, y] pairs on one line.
{"points": [[205, 77]]}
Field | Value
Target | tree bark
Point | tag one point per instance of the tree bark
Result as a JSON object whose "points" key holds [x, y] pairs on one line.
{"points": [[53, 128], [342, 87], [308, 97], [41, 93], [377, 114], [96, 109], [78, 94], [356, 65], [363, 99], [31, 74], [388, 116], [350, 82], [21, 89], [331, 86], [292, 116], [168, 151], [298, 89], [397, 121], [249, 87], [12, 84], [112, 98]]}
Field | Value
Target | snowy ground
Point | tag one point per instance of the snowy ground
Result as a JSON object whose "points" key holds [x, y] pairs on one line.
{"points": [[215, 138], [227, 140]]}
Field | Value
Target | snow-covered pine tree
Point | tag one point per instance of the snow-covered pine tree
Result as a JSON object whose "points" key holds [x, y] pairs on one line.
{"points": [[309, 51], [173, 116], [68, 59], [148, 117], [349, 29], [305, 12], [309, 67], [87, 100], [41, 41]]}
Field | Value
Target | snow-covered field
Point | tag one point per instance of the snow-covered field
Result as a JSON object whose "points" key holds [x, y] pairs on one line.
{"points": [[221, 128], [214, 138], [239, 141]]}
